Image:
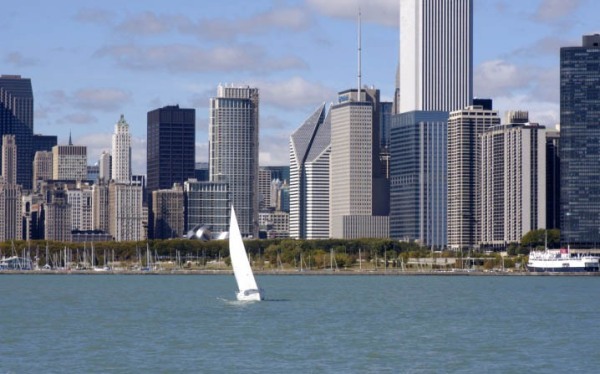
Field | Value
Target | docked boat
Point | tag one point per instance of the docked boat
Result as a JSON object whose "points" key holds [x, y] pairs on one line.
{"points": [[562, 261]]}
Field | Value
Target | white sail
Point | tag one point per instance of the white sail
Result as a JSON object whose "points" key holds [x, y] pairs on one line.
{"points": [[248, 289]]}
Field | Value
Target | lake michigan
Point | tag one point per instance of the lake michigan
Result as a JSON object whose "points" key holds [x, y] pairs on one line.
{"points": [[320, 324]]}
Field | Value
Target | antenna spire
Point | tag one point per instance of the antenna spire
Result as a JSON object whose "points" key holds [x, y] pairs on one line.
{"points": [[359, 98]]}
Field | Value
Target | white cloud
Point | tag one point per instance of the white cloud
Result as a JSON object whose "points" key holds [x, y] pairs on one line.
{"points": [[383, 12], [18, 60], [95, 16], [514, 87], [553, 10], [188, 58], [81, 118], [293, 93], [146, 23], [276, 19], [108, 99]]}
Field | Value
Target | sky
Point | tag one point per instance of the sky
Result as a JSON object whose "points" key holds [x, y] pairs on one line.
{"points": [[91, 61]]}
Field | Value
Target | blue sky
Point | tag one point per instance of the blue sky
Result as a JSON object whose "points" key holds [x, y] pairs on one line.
{"points": [[90, 61]]}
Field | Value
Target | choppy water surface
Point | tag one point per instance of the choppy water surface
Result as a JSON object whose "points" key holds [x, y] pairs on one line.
{"points": [[191, 323]]}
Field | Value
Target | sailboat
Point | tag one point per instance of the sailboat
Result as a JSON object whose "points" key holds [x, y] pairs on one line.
{"points": [[248, 289]]}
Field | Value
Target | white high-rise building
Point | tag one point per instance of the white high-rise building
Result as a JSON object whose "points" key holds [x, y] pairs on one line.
{"points": [[121, 152], [80, 202], [513, 182], [126, 212], [105, 165], [233, 150], [436, 47], [310, 148]]}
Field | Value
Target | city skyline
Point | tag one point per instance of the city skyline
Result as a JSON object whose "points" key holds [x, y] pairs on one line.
{"points": [[291, 50]]}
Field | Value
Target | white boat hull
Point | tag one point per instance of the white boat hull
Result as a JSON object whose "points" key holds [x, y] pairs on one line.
{"points": [[250, 295]]}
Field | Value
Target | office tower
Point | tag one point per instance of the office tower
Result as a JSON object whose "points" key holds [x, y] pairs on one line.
{"points": [[171, 146], [168, 211], [9, 159], [207, 204], [121, 152], [436, 55], [105, 166], [281, 173], [16, 118], [579, 151], [201, 172], [10, 192], [465, 128], [80, 205], [58, 216], [233, 150], [358, 200], [275, 224], [513, 182], [171, 149], [310, 148], [42, 166], [34, 215], [418, 177], [93, 172], [125, 212], [385, 124], [264, 189], [552, 179], [100, 206], [69, 162], [44, 142], [436, 77]]}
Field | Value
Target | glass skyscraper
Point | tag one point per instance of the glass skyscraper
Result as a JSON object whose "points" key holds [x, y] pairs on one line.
{"points": [[16, 118], [171, 149], [233, 150], [580, 143]]}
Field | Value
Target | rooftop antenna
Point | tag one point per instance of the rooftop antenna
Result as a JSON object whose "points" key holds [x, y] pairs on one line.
{"points": [[359, 58], [70, 141]]}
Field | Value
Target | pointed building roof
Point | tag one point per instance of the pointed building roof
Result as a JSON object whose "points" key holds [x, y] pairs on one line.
{"points": [[302, 139]]}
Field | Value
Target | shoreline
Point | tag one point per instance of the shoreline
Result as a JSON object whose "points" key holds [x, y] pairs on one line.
{"points": [[229, 272]]}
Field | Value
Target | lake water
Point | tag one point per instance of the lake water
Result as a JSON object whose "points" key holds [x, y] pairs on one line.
{"points": [[321, 324]]}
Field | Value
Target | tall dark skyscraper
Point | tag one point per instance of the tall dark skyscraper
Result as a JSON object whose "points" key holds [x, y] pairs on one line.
{"points": [[16, 117], [170, 148], [580, 143], [44, 142], [552, 180]]}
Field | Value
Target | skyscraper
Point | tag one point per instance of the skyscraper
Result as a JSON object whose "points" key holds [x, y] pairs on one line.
{"points": [[513, 181], [9, 159], [10, 192], [358, 203], [579, 143], [69, 162], [171, 150], [171, 146], [436, 55], [233, 150], [16, 117], [436, 77], [465, 128], [418, 177], [552, 179], [310, 148], [121, 152]]}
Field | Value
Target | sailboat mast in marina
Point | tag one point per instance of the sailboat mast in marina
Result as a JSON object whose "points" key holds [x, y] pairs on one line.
{"points": [[247, 288]]}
